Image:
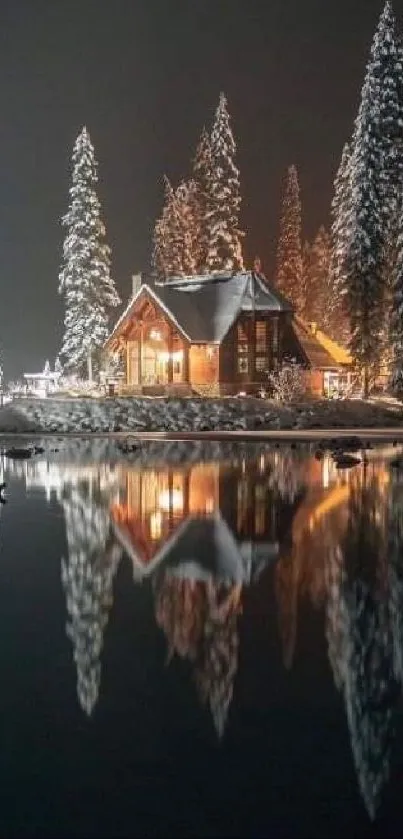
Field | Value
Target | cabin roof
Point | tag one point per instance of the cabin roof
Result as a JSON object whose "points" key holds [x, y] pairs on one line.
{"points": [[205, 307], [317, 355]]}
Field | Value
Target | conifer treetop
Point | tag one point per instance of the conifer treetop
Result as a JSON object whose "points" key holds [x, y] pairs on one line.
{"points": [[289, 273], [224, 196], [85, 279]]}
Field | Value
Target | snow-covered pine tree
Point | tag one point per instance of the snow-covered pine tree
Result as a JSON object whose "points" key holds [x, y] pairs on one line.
{"points": [[306, 269], [224, 249], [396, 320], [376, 178], [364, 259], [317, 280], [176, 233], [189, 226], [387, 68], [339, 328], [289, 269], [202, 179], [46, 369], [162, 237], [58, 366], [84, 279]]}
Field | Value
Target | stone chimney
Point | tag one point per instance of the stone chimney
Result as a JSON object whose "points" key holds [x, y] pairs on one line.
{"points": [[136, 283]]}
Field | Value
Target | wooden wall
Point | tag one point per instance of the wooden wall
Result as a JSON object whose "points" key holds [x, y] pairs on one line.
{"points": [[203, 369], [315, 382]]}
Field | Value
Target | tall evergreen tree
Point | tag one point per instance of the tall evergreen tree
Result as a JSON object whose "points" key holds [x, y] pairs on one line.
{"points": [[376, 172], [289, 270], [396, 324], [306, 270], [202, 179], [224, 250], [364, 260], [387, 61], [189, 222], [176, 233], [340, 237], [84, 279], [318, 280]]}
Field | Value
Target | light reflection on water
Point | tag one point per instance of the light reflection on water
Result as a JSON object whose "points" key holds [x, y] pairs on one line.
{"points": [[201, 534]]}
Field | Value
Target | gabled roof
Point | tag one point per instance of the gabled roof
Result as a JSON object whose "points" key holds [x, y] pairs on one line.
{"points": [[320, 350], [199, 548], [206, 547], [316, 355], [204, 307], [339, 353]]}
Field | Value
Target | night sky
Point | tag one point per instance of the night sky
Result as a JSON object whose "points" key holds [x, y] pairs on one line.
{"points": [[144, 77]]}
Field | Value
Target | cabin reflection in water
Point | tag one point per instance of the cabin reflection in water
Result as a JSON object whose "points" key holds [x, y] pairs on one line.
{"points": [[199, 508]]}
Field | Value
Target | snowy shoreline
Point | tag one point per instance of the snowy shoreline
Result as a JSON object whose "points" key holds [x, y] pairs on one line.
{"points": [[196, 416]]}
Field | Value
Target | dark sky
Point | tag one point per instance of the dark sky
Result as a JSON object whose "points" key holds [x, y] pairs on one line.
{"points": [[144, 77]]}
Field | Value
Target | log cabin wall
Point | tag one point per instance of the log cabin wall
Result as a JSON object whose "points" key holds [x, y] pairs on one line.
{"points": [[315, 382], [155, 351], [204, 364], [252, 347]]}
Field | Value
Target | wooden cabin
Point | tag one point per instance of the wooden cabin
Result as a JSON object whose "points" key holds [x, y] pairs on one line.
{"points": [[211, 335]]}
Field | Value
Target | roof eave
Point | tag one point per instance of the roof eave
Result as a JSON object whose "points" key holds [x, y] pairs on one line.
{"points": [[129, 307]]}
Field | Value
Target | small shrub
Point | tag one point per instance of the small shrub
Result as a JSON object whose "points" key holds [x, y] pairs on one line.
{"points": [[288, 383]]}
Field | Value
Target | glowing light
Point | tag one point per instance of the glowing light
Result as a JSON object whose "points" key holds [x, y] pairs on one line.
{"points": [[209, 505], [165, 356], [155, 335], [156, 525], [171, 500]]}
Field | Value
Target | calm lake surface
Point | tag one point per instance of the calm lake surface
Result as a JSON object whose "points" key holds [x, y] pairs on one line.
{"points": [[206, 647]]}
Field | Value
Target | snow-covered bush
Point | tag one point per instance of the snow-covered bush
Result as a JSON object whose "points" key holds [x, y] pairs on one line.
{"points": [[75, 386], [289, 381]]}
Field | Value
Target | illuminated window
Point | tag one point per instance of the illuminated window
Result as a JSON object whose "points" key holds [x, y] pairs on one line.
{"points": [[262, 364], [275, 341], [261, 337], [242, 334], [242, 342], [156, 525]]}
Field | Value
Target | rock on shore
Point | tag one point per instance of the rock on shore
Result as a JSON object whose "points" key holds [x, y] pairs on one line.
{"points": [[62, 416]]}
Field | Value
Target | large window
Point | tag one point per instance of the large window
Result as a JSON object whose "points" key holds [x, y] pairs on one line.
{"points": [[262, 357], [133, 363], [261, 337], [242, 346], [275, 344]]}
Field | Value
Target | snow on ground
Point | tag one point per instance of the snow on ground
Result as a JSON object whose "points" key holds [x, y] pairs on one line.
{"points": [[62, 416]]}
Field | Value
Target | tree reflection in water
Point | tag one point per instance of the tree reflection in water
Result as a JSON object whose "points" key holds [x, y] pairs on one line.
{"points": [[202, 532], [87, 577], [199, 619], [352, 562]]}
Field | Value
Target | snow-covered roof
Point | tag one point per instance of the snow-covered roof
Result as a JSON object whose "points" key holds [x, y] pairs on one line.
{"points": [[206, 546], [316, 354], [201, 547], [205, 307]]}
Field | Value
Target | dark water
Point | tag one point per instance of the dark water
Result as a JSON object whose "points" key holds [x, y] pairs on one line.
{"points": [[201, 649]]}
